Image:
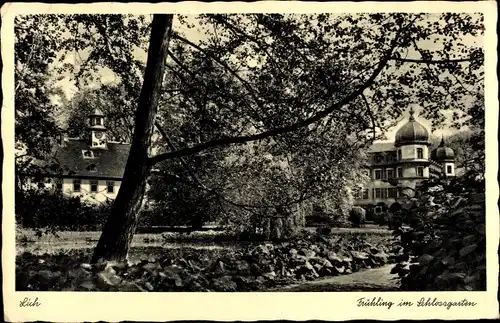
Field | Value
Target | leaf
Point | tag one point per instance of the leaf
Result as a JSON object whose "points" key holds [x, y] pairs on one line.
{"points": [[425, 259], [467, 250], [88, 284]]}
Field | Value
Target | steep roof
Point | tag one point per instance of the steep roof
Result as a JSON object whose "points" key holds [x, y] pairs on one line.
{"points": [[443, 153], [96, 112], [412, 132], [381, 146], [106, 163]]}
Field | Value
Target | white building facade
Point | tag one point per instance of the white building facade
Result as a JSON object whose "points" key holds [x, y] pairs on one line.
{"points": [[90, 168], [396, 169]]}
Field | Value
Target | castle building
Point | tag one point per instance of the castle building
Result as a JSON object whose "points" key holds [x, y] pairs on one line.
{"points": [[397, 168], [90, 168]]}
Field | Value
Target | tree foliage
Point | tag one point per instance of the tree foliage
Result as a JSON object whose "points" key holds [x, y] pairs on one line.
{"points": [[36, 47], [445, 246], [111, 100]]}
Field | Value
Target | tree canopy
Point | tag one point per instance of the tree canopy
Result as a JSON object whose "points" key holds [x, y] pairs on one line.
{"points": [[280, 104]]}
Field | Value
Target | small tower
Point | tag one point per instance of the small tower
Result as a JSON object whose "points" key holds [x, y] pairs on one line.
{"points": [[97, 130], [446, 157], [412, 144]]}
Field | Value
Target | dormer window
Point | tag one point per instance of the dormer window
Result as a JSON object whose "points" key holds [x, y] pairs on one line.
{"points": [[88, 154]]}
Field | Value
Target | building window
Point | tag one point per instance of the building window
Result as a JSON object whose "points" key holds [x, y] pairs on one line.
{"points": [[378, 174], [390, 173], [93, 186], [449, 169], [400, 172], [392, 156], [379, 209], [365, 195], [59, 184], [400, 156], [379, 158], [420, 153], [420, 171], [378, 193], [392, 192], [111, 187], [97, 121], [77, 183], [88, 154]]}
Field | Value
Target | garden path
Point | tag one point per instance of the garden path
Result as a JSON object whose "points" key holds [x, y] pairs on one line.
{"points": [[378, 279]]}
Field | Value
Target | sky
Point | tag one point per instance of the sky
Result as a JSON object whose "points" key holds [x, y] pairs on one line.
{"points": [[107, 76], [445, 131]]}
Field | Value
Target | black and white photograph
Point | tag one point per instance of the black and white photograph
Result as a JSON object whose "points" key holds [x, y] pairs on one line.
{"points": [[293, 152]]}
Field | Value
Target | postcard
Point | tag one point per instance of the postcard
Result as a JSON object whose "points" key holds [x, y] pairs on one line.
{"points": [[250, 161]]}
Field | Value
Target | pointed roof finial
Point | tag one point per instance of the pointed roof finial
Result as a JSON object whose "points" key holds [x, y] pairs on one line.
{"points": [[412, 118], [442, 141]]}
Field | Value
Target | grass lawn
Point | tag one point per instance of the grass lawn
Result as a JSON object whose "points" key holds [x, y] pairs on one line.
{"points": [[149, 244], [145, 244]]}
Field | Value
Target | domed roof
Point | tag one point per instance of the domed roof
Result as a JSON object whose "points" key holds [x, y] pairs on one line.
{"points": [[442, 152], [97, 113], [412, 133]]}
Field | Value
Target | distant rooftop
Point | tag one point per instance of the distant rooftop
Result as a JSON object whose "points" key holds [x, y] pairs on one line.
{"points": [[77, 159], [381, 146]]}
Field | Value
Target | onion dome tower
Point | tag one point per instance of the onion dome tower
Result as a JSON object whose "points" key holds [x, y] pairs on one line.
{"points": [[412, 133], [412, 144], [445, 156], [97, 130]]}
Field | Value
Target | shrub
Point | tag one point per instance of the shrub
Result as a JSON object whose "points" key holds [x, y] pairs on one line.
{"points": [[41, 209], [324, 230], [395, 207], [445, 246], [250, 267], [357, 216]]}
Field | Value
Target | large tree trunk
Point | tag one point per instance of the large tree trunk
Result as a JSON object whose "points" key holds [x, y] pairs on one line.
{"points": [[120, 226]]}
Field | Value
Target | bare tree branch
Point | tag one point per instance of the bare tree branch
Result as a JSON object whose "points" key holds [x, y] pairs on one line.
{"points": [[431, 61], [227, 140], [249, 88], [224, 141], [374, 124]]}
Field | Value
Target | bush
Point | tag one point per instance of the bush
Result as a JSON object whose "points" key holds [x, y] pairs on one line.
{"points": [[357, 216], [395, 207], [324, 230], [41, 209], [445, 247], [249, 268]]}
